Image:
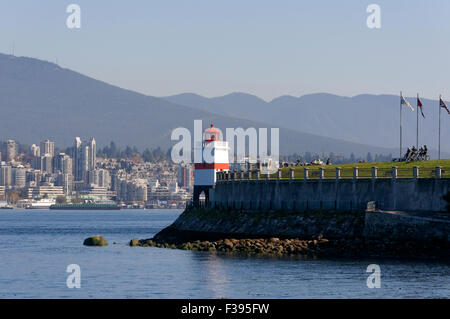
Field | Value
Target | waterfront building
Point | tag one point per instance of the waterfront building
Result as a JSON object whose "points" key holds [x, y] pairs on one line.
{"points": [[96, 192], [141, 192], [46, 190], [2, 193], [132, 191], [65, 180]]}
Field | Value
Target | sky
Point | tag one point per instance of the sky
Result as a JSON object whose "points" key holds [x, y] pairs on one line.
{"points": [[261, 47]]}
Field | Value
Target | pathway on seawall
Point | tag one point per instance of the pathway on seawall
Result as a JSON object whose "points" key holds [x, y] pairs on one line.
{"points": [[425, 215]]}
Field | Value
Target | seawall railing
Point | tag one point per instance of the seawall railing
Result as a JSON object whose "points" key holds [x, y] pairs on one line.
{"points": [[317, 173]]}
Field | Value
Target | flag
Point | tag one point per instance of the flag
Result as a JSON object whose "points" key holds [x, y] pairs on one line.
{"points": [[419, 105], [442, 104], [404, 102]]}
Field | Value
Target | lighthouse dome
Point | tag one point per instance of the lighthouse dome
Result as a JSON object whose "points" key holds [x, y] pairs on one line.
{"points": [[212, 134]]}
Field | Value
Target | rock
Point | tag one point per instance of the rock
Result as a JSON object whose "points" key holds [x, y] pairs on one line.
{"points": [[96, 240], [228, 243], [134, 242]]}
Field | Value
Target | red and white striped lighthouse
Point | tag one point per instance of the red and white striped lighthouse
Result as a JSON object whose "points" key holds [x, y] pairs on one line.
{"points": [[213, 159]]}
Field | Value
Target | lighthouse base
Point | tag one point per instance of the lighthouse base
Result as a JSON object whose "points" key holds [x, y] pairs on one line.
{"points": [[197, 192]]}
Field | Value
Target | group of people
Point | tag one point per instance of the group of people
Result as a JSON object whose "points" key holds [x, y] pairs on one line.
{"points": [[313, 162], [414, 154]]}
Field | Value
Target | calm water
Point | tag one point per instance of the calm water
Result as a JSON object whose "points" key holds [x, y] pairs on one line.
{"points": [[36, 247]]}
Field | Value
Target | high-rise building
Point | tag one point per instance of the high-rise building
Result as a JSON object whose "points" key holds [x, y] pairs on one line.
{"points": [[35, 150], [47, 163], [34, 177], [47, 148], [185, 176], [9, 150], [104, 179], [99, 177], [5, 175], [66, 181], [62, 163], [92, 154], [84, 159], [19, 176], [77, 171], [85, 150]]}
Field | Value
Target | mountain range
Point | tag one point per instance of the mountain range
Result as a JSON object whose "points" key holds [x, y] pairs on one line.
{"points": [[367, 119], [39, 100]]}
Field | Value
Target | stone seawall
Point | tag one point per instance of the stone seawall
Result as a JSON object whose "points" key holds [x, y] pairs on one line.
{"points": [[318, 233], [408, 194], [404, 226], [265, 224]]}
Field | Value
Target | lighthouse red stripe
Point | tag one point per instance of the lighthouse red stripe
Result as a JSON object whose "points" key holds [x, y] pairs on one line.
{"points": [[211, 166]]}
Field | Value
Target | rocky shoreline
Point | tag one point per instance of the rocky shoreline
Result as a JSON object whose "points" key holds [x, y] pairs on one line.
{"points": [[295, 247]]}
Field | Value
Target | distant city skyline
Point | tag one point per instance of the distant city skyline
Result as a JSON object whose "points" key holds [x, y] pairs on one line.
{"points": [[258, 47]]}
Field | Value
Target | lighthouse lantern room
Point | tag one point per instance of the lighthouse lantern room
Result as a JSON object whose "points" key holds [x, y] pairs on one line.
{"points": [[211, 157]]}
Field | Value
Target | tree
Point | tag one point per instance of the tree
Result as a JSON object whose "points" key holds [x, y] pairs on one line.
{"points": [[77, 200], [12, 196], [61, 200], [113, 150]]}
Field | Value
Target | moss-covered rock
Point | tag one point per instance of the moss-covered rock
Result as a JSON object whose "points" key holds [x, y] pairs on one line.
{"points": [[96, 240], [134, 242]]}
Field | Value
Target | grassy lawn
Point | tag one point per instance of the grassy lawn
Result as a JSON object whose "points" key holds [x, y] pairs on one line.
{"points": [[405, 169]]}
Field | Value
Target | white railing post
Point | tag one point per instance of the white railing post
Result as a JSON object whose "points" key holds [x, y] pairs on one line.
{"points": [[355, 172], [394, 172], [438, 171], [416, 172], [374, 172]]}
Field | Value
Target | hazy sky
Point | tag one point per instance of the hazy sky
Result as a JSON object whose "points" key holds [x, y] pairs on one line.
{"points": [[267, 48]]}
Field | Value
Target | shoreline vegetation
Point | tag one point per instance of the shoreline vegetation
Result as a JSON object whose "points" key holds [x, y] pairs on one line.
{"points": [[336, 235]]}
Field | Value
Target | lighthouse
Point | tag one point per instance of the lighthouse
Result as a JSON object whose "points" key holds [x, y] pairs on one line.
{"points": [[211, 157]]}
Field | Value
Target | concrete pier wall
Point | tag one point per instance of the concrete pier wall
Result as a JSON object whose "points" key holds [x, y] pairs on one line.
{"points": [[408, 194]]}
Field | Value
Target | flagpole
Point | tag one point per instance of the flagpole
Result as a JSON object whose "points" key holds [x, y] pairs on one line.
{"points": [[439, 148], [417, 126], [401, 124]]}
